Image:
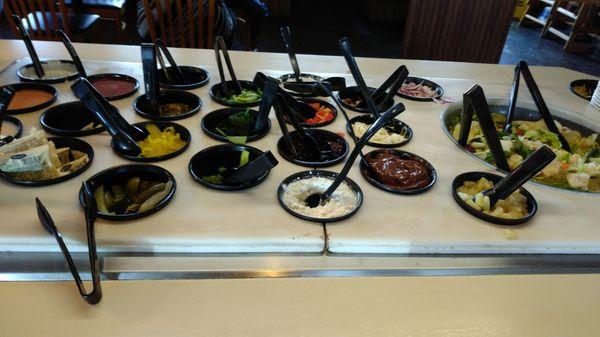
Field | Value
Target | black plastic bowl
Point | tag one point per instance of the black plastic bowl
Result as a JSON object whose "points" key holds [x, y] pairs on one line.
{"points": [[474, 176], [17, 125], [33, 86], [27, 72], [291, 78], [589, 84], [321, 136], [319, 173], [354, 93], [439, 91], [210, 121], [117, 78], [374, 180], [141, 105], [208, 161], [67, 119], [394, 125], [120, 175], [216, 94], [322, 102], [195, 78], [183, 133], [59, 142]]}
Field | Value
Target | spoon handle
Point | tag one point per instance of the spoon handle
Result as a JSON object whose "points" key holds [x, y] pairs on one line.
{"points": [[163, 47], [269, 92], [512, 101], [6, 96], [287, 40], [37, 65], [224, 89], [360, 82], [223, 47], [277, 105], [253, 169], [541, 104], [71, 49], [379, 123], [149, 67], [527, 170], [475, 99]]}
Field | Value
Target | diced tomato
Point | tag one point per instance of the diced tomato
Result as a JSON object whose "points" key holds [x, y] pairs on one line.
{"points": [[565, 166]]}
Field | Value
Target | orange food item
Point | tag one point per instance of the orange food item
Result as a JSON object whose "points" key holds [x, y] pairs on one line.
{"points": [[28, 98], [324, 114]]}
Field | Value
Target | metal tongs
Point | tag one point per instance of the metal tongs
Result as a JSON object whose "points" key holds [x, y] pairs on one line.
{"points": [[221, 47], [46, 221], [474, 101], [523, 69]]}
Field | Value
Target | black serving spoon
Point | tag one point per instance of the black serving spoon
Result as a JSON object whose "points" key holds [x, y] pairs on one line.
{"points": [[394, 82], [523, 69], [123, 134], [71, 49], [302, 109], [307, 139], [283, 126], [176, 71], [317, 199], [527, 170], [266, 102], [251, 171], [95, 295], [6, 96], [150, 79], [37, 65], [360, 82], [221, 47], [287, 40], [474, 101]]}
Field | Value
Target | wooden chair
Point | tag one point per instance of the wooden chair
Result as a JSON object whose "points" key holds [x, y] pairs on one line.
{"points": [[581, 21], [166, 16], [43, 17], [110, 9]]}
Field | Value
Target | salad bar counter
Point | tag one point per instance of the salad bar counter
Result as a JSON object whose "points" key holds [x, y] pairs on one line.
{"points": [[410, 212]]}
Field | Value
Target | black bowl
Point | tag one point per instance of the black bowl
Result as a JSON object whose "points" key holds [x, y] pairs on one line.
{"points": [[322, 137], [120, 175], [67, 119], [291, 78], [59, 142], [394, 125], [208, 161], [354, 93], [141, 105], [374, 180], [195, 78], [32, 86], [210, 121], [18, 125], [27, 72], [319, 173], [589, 84], [183, 133], [322, 102], [474, 176], [216, 94], [439, 91], [123, 93]]}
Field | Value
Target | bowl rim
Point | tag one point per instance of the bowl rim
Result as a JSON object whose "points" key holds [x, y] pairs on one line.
{"points": [[117, 76], [223, 111], [438, 88], [52, 80], [288, 157], [244, 83], [182, 130], [64, 132], [37, 86], [174, 92], [188, 86]]}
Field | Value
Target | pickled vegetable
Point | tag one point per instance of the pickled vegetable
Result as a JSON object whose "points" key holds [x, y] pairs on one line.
{"points": [[160, 143], [136, 195]]}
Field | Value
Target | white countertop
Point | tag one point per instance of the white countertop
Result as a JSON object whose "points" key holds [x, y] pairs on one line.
{"points": [[386, 223]]}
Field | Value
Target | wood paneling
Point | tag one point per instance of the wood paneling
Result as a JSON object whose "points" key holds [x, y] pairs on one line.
{"points": [[457, 30]]}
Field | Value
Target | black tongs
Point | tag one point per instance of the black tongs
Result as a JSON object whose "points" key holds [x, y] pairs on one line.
{"points": [[37, 65], [314, 88], [46, 221], [221, 47], [474, 101], [174, 71], [303, 110], [523, 69]]}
